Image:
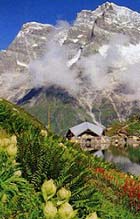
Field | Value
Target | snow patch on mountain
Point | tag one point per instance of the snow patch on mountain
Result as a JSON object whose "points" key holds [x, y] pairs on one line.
{"points": [[74, 59], [22, 64]]}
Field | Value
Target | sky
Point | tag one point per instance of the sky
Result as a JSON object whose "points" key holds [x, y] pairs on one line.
{"points": [[14, 13]]}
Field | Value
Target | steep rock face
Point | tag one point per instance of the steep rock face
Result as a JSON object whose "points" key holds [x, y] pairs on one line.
{"points": [[28, 45], [97, 26], [31, 41], [90, 35]]}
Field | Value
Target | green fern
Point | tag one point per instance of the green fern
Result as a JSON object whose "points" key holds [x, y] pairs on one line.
{"points": [[17, 198]]}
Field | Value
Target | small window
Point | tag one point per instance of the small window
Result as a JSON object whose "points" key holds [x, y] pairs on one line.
{"points": [[88, 142]]}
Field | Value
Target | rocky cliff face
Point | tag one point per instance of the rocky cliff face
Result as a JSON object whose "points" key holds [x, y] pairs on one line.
{"points": [[92, 65], [14, 62]]}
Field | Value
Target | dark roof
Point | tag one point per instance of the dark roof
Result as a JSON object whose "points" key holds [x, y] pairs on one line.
{"points": [[81, 128]]}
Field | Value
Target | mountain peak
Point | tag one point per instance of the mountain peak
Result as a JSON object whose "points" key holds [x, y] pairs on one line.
{"points": [[86, 56], [35, 25], [32, 27], [117, 9], [109, 14]]}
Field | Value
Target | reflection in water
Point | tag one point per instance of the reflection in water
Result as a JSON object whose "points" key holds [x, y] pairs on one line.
{"points": [[123, 163]]}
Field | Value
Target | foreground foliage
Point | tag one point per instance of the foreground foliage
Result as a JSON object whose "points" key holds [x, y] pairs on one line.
{"points": [[17, 198], [43, 156]]}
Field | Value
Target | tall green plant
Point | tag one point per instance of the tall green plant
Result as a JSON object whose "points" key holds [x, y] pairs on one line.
{"points": [[17, 198]]}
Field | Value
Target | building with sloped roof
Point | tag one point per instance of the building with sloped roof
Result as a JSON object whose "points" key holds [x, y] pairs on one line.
{"points": [[90, 136], [85, 127]]}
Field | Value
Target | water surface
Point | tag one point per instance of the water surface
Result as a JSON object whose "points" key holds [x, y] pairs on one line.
{"points": [[123, 163]]}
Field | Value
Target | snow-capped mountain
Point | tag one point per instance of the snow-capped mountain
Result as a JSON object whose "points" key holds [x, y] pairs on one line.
{"points": [[93, 65]]}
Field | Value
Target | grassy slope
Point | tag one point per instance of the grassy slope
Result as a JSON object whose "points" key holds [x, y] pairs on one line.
{"points": [[27, 129], [63, 115], [12, 114], [105, 112], [131, 127]]}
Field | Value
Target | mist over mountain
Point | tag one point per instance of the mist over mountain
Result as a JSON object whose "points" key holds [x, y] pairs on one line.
{"points": [[89, 70]]}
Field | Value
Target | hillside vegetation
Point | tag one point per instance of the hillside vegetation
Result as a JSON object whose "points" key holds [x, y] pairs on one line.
{"points": [[64, 111], [130, 127], [51, 178]]}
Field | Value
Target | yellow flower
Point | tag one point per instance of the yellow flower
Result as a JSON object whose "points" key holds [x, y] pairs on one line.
{"points": [[18, 173], [64, 194], [66, 211], [14, 139], [48, 189], [14, 162], [62, 145], [5, 142], [4, 198], [12, 150], [50, 210], [44, 133], [92, 216]]}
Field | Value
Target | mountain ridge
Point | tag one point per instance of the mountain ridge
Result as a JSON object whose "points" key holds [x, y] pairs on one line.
{"points": [[93, 60]]}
